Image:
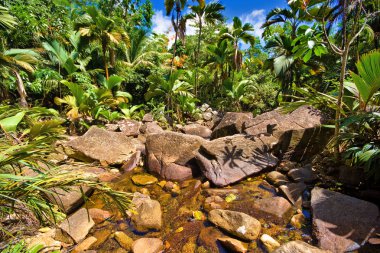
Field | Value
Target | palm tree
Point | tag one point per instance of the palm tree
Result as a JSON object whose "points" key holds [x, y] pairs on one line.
{"points": [[294, 16], [175, 8], [68, 59], [15, 60], [208, 14], [238, 32], [143, 50], [96, 27], [219, 60], [170, 88], [283, 64], [7, 21]]}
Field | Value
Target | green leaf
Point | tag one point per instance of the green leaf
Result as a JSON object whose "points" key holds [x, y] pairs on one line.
{"points": [[308, 55], [10, 124]]}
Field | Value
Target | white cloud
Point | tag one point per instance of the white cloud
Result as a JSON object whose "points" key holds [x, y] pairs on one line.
{"points": [[162, 24], [257, 19]]}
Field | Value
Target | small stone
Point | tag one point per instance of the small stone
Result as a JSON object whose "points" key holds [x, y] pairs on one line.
{"points": [[44, 230], [206, 185], [99, 215], [145, 191], [239, 224], [78, 225], [85, 245], [199, 130], [276, 178], [144, 179], [114, 171], [46, 241], [293, 191], [276, 209], [148, 213], [147, 245], [63, 237], [214, 202], [169, 186], [176, 190], [297, 220], [374, 241], [198, 215], [269, 243], [304, 174], [148, 118], [233, 245], [162, 183], [124, 240], [207, 116]]}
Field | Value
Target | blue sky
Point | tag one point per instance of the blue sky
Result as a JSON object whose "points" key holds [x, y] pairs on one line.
{"points": [[252, 11]]}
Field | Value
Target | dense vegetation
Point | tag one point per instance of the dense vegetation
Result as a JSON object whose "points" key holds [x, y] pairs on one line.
{"points": [[95, 62]]}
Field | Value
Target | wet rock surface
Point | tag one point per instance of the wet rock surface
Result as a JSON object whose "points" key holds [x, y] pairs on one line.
{"points": [[78, 225], [147, 213], [236, 223], [147, 245]]}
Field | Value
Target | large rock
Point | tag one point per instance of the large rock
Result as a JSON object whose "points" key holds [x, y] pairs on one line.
{"points": [[299, 247], [104, 146], [232, 123], [147, 213], [340, 222], [300, 133], [171, 155], [127, 126], [229, 159], [78, 225], [69, 199], [151, 128], [273, 209], [236, 223], [199, 130]]}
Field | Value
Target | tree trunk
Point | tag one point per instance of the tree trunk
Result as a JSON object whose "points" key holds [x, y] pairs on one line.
{"points": [[175, 41], [21, 89], [198, 54], [236, 55], [104, 49], [339, 103], [344, 57]]}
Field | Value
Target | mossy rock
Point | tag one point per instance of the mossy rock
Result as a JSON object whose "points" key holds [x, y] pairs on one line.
{"points": [[144, 179]]}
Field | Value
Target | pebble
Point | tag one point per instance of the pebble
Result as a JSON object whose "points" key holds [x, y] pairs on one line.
{"points": [[269, 243]]}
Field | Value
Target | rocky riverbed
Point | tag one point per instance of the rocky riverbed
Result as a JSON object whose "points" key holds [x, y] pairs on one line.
{"points": [[233, 184]]}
